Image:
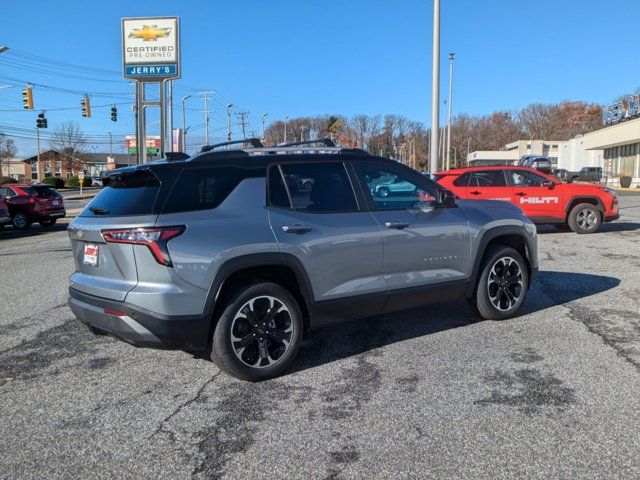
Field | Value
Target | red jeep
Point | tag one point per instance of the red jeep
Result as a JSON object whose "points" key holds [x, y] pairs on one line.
{"points": [[544, 199], [32, 203]]}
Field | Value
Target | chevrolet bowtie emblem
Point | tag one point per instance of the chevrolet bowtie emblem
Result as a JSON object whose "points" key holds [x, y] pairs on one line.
{"points": [[150, 32]]}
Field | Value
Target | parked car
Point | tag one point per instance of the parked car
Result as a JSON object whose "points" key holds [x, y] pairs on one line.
{"points": [[585, 174], [216, 253], [5, 217], [30, 203], [537, 162], [392, 186], [543, 198]]}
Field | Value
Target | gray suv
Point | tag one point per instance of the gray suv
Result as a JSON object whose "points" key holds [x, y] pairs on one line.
{"points": [[230, 252]]}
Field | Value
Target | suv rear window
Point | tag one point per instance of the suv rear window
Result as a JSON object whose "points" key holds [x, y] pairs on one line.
{"points": [[126, 193], [40, 191], [206, 188]]}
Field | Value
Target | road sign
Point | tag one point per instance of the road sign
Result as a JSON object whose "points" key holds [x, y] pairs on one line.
{"points": [[81, 175], [151, 48]]}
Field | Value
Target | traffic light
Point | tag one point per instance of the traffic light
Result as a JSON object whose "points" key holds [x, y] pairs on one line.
{"points": [[27, 98], [114, 114], [86, 107], [41, 122]]}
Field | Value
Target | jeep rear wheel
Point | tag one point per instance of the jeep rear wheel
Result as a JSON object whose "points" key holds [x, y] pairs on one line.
{"points": [[21, 221], [259, 332], [584, 218], [502, 285]]}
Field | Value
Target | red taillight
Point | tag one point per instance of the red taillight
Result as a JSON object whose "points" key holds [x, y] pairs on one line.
{"points": [[154, 238], [111, 311]]}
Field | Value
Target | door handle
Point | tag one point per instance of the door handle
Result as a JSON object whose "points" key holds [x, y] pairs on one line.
{"points": [[296, 228], [475, 192], [396, 225], [521, 194]]}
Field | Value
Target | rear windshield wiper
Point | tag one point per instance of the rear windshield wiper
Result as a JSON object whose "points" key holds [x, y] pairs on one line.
{"points": [[98, 210]]}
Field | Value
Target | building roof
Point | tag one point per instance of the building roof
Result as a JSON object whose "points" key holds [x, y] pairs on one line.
{"points": [[92, 158]]}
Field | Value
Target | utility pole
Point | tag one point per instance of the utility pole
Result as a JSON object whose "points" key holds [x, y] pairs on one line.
{"points": [[451, 57], [435, 89], [38, 153], [468, 148], [264, 116], [110, 145], [243, 120], [184, 124], [286, 117], [171, 115], [229, 107], [205, 96]]}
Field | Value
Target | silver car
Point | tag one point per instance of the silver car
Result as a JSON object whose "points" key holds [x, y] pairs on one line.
{"points": [[221, 252]]}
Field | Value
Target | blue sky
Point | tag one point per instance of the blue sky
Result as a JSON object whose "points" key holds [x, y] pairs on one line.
{"points": [[311, 57]]}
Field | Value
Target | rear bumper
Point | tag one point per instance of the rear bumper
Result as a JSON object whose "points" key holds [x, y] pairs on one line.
{"points": [[138, 327], [51, 215], [4, 220], [611, 218]]}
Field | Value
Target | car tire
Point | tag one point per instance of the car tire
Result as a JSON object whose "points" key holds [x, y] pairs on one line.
{"points": [[502, 284], [21, 221], [573, 180], [243, 346], [48, 223], [584, 218], [384, 192]]}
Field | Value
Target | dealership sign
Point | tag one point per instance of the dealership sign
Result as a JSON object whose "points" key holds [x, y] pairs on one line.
{"points": [[151, 48], [152, 144], [628, 107]]}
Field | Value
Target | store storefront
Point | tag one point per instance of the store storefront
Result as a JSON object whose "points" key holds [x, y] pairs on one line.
{"points": [[620, 143]]}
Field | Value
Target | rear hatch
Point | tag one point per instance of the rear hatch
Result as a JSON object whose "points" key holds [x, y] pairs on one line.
{"points": [[128, 200], [46, 198]]}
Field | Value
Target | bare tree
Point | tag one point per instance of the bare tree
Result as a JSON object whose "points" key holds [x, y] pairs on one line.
{"points": [[7, 150], [69, 140]]}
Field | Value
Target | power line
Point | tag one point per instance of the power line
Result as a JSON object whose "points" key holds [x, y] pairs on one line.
{"points": [[243, 116]]}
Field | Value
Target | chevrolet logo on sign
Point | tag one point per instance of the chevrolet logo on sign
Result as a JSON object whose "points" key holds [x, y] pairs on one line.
{"points": [[150, 32]]}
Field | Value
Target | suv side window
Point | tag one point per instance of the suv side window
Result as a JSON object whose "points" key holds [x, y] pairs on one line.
{"points": [[206, 188], [522, 178], [488, 178], [462, 180], [393, 189], [316, 188]]}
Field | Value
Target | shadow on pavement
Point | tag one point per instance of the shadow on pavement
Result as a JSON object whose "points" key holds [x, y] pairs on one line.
{"points": [[343, 340], [604, 228], [9, 232]]}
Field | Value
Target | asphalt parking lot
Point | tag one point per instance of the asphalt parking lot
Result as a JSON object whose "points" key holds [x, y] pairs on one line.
{"points": [[426, 393]]}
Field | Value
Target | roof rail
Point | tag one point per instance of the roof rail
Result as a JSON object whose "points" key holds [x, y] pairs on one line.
{"points": [[254, 142], [304, 149], [327, 142]]}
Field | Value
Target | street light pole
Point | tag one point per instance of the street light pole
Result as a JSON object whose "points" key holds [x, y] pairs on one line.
{"points": [[435, 89], [286, 117], [229, 107], [451, 57], [184, 124], [264, 115]]}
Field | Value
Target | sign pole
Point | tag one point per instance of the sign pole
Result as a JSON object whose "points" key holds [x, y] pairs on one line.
{"points": [[163, 117]]}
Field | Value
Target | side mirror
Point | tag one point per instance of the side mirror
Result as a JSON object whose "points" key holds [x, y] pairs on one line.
{"points": [[549, 184], [446, 198]]}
